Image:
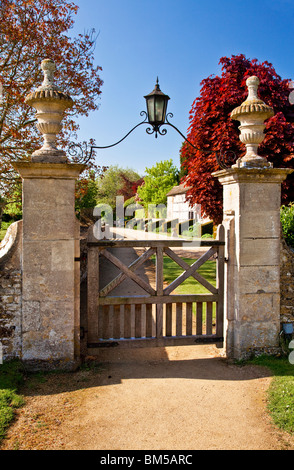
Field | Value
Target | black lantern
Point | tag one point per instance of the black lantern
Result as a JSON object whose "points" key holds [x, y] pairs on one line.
{"points": [[156, 103], [156, 115]]}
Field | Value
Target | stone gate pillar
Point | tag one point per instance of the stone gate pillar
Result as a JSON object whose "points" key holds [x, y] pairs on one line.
{"points": [[50, 289], [252, 200]]}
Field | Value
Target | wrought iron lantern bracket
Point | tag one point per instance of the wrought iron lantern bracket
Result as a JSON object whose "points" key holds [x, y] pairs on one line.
{"points": [[157, 120], [81, 152]]}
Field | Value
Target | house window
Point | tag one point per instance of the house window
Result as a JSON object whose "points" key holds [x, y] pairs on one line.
{"points": [[191, 215]]}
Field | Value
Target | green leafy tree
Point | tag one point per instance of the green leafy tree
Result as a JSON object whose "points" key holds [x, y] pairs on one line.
{"points": [[159, 180], [86, 192], [112, 182], [287, 221]]}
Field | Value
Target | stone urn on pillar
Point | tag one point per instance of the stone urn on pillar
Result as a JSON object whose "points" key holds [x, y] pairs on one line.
{"points": [[251, 114], [251, 201], [50, 103], [50, 328]]}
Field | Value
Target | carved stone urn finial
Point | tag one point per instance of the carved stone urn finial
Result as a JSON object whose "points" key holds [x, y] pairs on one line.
{"points": [[50, 103], [252, 114]]}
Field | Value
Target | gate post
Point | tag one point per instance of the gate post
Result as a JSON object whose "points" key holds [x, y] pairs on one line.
{"points": [[50, 244], [252, 200]]}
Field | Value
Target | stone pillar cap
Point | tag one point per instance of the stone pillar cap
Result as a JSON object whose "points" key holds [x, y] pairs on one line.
{"points": [[50, 103], [252, 104], [48, 90]]}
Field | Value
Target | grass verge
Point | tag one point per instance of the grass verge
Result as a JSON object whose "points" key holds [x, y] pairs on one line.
{"points": [[11, 377], [281, 391], [3, 230]]}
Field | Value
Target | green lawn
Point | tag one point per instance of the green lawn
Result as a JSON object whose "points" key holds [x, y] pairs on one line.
{"points": [[172, 270], [190, 286], [281, 391]]}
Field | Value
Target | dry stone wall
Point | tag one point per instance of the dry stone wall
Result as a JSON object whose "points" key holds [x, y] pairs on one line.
{"points": [[11, 292], [287, 283]]}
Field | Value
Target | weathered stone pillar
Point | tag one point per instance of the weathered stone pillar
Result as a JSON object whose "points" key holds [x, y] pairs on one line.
{"points": [[50, 279], [252, 200]]}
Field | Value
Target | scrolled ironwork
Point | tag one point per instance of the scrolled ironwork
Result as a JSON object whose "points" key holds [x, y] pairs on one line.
{"points": [[77, 151], [142, 113], [150, 130], [223, 158]]}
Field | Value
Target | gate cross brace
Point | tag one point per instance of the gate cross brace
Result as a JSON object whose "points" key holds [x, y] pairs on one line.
{"points": [[128, 271], [186, 266], [190, 271]]}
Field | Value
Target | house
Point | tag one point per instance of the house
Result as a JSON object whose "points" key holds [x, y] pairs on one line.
{"points": [[178, 207]]}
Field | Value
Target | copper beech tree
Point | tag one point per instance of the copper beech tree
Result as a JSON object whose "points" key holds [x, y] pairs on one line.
{"points": [[211, 130], [32, 30]]}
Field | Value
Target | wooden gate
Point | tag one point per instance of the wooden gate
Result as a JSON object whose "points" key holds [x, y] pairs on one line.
{"points": [[158, 317]]}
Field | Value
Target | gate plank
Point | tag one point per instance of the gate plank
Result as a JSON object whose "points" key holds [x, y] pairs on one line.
{"points": [[116, 321], [159, 291], [168, 320], [165, 299], [138, 321], [153, 243], [154, 342], [93, 294], [199, 309], [220, 282], [209, 318], [149, 320], [189, 318], [179, 319], [127, 321], [105, 322]]}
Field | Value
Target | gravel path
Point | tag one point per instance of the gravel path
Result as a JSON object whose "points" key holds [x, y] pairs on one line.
{"points": [[180, 398], [184, 398]]}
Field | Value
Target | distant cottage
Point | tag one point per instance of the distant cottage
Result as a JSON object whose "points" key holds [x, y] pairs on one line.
{"points": [[178, 207]]}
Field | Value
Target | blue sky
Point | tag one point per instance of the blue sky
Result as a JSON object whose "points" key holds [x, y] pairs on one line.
{"points": [[181, 42]]}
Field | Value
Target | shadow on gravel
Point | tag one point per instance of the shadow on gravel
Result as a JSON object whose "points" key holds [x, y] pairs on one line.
{"points": [[144, 365]]}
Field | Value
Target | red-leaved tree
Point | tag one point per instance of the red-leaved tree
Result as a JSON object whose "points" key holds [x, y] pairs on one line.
{"points": [[33, 30], [129, 187], [211, 130]]}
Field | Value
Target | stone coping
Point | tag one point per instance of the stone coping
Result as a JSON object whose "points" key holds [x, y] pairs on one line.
{"points": [[256, 175], [48, 170]]}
